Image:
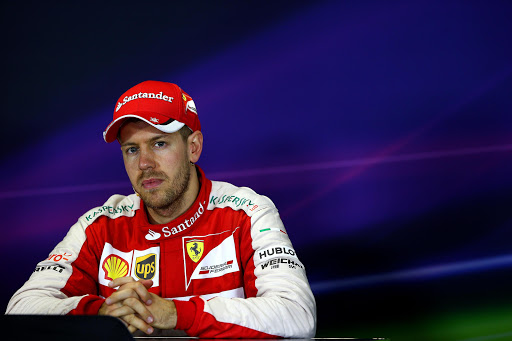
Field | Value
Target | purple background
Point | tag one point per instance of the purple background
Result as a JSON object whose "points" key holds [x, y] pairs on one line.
{"points": [[380, 131]]}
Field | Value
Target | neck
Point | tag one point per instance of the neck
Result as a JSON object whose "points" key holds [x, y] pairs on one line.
{"points": [[180, 205]]}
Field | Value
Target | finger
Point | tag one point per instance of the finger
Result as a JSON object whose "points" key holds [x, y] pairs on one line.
{"points": [[106, 309], [119, 296], [131, 308], [138, 323], [148, 283], [142, 290], [120, 281], [130, 328], [138, 307], [122, 311], [134, 289]]}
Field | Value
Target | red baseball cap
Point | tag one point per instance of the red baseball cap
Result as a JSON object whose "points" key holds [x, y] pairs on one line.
{"points": [[163, 105]]}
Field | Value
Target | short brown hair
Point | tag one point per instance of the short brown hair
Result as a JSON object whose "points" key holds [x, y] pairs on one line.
{"points": [[185, 132]]}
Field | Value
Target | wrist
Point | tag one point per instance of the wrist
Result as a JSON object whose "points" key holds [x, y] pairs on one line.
{"points": [[171, 316], [165, 314]]}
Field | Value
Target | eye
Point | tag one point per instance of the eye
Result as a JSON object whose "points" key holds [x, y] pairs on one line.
{"points": [[160, 144], [131, 150]]}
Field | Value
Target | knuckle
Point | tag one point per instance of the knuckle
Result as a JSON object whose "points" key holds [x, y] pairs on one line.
{"points": [[130, 301], [137, 286], [135, 322], [129, 293], [130, 319]]}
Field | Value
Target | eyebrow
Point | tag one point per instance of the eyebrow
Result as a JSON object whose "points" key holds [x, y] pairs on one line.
{"points": [[157, 137]]}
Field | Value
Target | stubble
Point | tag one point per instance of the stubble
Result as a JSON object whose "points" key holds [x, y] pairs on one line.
{"points": [[171, 197]]}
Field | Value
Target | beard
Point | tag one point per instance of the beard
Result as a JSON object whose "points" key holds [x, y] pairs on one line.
{"points": [[171, 194]]}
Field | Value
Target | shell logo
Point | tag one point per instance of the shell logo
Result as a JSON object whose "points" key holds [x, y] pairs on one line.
{"points": [[115, 267]]}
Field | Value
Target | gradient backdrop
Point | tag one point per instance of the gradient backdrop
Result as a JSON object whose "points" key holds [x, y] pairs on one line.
{"points": [[380, 129]]}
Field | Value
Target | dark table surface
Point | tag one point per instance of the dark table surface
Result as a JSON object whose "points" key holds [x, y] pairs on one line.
{"points": [[92, 328]]}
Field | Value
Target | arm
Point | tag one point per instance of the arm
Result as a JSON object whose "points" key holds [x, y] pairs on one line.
{"points": [[64, 283], [278, 302]]}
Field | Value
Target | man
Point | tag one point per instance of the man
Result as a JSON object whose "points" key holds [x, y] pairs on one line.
{"points": [[181, 254]]}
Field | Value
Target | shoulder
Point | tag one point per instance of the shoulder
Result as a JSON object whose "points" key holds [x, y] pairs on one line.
{"points": [[224, 194], [116, 206]]}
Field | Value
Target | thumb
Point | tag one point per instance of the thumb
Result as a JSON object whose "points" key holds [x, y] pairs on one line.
{"points": [[147, 283]]}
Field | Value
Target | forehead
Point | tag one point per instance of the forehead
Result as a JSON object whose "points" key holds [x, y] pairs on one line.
{"points": [[137, 130]]}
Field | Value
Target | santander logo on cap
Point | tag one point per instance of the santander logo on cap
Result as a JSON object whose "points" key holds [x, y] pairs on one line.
{"points": [[159, 96]]}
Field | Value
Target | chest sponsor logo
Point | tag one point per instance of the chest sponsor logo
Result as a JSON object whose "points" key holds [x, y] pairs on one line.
{"points": [[171, 231], [233, 200], [145, 266], [152, 235], [211, 269], [139, 264], [109, 210], [115, 267], [195, 249], [216, 256]]}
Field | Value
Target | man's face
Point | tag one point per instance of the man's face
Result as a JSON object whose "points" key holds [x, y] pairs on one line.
{"points": [[157, 164]]}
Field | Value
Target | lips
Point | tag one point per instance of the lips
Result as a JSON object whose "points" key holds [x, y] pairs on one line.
{"points": [[151, 183]]}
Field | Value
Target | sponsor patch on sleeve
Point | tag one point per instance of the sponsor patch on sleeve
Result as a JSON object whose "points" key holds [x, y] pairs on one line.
{"points": [[274, 252], [58, 268], [273, 229], [280, 263], [277, 257]]}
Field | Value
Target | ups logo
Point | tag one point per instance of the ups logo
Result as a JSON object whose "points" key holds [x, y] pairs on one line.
{"points": [[145, 266]]}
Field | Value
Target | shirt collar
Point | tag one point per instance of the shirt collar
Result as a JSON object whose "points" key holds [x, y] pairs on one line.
{"points": [[155, 233]]}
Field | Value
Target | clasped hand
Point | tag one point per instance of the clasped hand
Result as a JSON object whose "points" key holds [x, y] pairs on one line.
{"points": [[137, 307]]}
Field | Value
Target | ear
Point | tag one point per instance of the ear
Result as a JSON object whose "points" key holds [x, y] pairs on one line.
{"points": [[195, 146]]}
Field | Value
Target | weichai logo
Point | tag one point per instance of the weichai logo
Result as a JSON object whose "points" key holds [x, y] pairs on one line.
{"points": [[115, 267], [145, 266]]}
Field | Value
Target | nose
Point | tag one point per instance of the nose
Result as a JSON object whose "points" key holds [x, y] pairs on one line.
{"points": [[146, 160]]}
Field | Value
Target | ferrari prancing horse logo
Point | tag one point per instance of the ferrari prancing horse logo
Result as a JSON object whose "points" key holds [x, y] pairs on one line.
{"points": [[195, 248]]}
